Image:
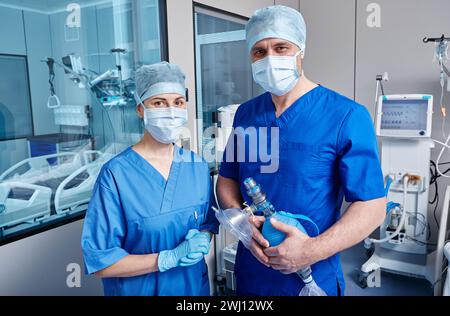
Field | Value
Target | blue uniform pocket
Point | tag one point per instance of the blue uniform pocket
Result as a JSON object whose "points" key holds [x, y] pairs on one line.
{"points": [[300, 161], [167, 230]]}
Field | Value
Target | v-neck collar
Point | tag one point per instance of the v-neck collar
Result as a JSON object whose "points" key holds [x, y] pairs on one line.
{"points": [[168, 186], [177, 158], [292, 111]]}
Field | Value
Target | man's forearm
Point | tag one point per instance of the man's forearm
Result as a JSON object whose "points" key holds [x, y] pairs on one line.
{"points": [[228, 193], [358, 222]]}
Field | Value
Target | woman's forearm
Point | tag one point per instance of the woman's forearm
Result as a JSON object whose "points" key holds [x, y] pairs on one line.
{"points": [[130, 266]]}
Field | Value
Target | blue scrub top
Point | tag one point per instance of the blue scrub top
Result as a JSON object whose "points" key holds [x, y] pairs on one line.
{"points": [[327, 150], [134, 210]]}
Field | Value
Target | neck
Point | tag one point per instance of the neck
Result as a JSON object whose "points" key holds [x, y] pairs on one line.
{"points": [[152, 148], [282, 103]]}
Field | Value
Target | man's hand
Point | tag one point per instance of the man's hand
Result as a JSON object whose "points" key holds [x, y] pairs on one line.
{"points": [[258, 242], [294, 253]]}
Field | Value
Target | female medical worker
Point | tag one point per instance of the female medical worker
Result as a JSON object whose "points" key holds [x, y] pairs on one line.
{"points": [[148, 225]]}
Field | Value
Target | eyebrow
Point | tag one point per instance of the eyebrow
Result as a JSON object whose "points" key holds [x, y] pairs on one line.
{"points": [[158, 99], [255, 48], [280, 43], [283, 43]]}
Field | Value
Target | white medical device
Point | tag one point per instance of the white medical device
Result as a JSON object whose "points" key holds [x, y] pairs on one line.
{"points": [[225, 128], [404, 116], [404, 122], [404, 125]]}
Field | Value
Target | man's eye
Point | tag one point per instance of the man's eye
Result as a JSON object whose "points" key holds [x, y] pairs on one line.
{"points": [[259, 53]]}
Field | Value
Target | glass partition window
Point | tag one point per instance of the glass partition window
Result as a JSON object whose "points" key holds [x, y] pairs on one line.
{"points": [[66, 101], [15, 107], [223, 69]]}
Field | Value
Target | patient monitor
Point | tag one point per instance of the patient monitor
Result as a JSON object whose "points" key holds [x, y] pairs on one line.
{"points": [[405, 116]]}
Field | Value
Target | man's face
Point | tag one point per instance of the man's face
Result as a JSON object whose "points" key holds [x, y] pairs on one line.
{"points": [[273, 47]]}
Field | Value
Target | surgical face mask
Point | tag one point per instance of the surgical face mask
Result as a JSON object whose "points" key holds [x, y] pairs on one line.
{"points": [[276, 74], [165, 124]]}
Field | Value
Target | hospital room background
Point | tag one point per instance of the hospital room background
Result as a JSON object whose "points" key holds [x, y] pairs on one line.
{"points": [[66, 107]]}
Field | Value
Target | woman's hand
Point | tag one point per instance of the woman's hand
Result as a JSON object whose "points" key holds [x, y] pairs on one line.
{"points": [[189, 252]]}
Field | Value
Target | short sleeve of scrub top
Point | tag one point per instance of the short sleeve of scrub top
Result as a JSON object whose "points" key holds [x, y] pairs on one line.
{"points": [[102, 247], [358, 159]]}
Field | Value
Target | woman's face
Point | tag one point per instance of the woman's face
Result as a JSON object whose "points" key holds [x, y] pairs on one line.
{"points": [[163, 101]]}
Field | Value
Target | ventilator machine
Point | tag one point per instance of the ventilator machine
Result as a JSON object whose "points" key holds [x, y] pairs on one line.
{"points": [[403, 123]]}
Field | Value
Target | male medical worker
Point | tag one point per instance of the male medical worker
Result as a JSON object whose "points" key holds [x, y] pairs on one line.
{"points": [[148, 225], [327, 151]]}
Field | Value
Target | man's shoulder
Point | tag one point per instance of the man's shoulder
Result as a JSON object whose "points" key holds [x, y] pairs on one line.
{"points": [[338, 98], [248, 109], [341, 104]]}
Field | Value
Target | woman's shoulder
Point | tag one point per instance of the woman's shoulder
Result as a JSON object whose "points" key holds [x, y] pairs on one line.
{"points": [[114, 165], [118, 160], [188, 156]]}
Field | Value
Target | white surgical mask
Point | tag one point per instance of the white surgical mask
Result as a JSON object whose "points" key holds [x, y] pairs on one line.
{"points": [[276, 74], [165, 124]]}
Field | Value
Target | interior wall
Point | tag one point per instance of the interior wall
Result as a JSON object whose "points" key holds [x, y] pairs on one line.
{"points": [[47, 264], [330, 43]]}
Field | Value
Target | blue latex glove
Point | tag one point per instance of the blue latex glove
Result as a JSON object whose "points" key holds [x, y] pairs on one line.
{"points": [[195, 244], [195, 257]]}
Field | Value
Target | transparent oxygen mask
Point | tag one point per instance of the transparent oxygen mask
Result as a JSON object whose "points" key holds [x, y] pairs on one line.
{"points": [[236, 221], [311, 288]]}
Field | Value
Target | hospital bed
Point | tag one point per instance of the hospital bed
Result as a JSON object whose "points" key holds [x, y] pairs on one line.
{"points": [[74, 192], [38, 188]]}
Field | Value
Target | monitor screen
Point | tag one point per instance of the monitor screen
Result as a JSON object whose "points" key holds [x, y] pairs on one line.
{"points": [[404, 114]]}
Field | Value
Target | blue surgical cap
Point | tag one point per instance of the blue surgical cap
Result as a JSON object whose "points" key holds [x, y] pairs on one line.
{"points": [[276, 22], [159, 78]]}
